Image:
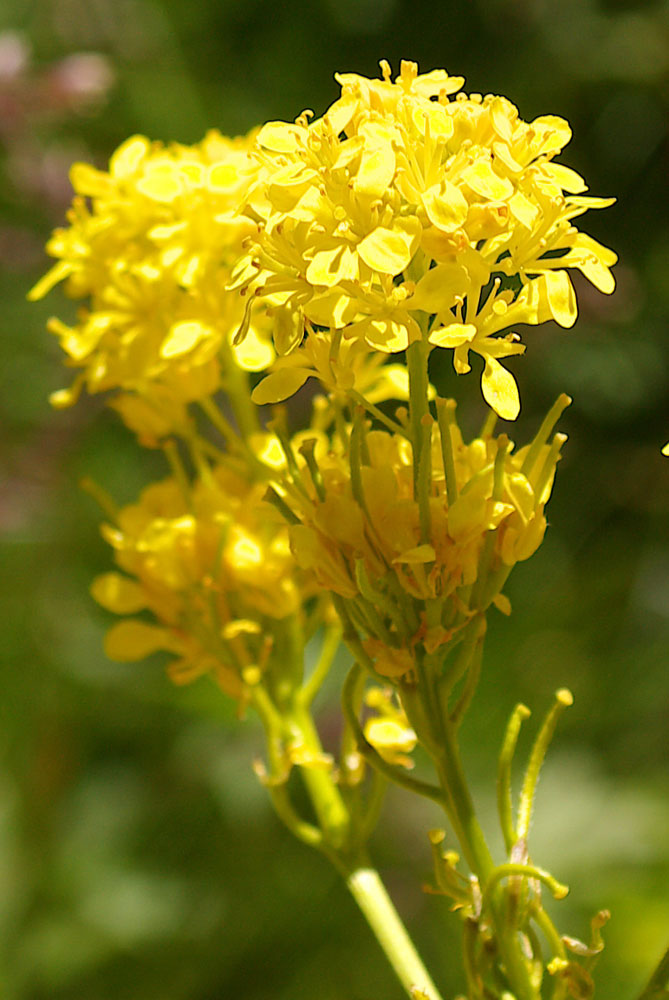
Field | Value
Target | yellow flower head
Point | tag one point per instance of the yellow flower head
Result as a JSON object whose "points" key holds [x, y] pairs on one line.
{"points": [[149, 249], [214, 573], [414, 572], [406, 212]]}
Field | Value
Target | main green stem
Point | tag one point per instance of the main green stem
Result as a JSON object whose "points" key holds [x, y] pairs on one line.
{"points": [[370, 894], [363, 882]]}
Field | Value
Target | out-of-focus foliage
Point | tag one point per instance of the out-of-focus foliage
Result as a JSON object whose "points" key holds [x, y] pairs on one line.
{"points": [[138, 855]]}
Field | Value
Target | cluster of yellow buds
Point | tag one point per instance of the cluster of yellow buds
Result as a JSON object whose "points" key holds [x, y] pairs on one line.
{"points": [[404, 210], [408, 571], [211, 573]]}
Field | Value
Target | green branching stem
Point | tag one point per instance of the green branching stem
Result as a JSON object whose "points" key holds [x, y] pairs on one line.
{"points": [[313, 684], [374, 411], [337, 834]]}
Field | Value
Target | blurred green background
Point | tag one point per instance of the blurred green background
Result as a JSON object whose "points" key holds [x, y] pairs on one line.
{"points": [[138, 854]]}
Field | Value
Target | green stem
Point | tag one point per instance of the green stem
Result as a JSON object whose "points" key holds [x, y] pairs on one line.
{"points": [[363, 882], [333, 816], [467, 828], [370, 894], [417, 356], [313, 684], [374, 411]]}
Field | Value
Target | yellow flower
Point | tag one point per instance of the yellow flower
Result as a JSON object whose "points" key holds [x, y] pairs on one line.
{"points": [[214, 573], [355, 367], [149, 250], [405, 213]]}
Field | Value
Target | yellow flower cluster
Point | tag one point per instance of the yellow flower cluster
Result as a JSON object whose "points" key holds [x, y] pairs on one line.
{"points": [[411, 573], [215, 574], [406, 213], [149, 248]]}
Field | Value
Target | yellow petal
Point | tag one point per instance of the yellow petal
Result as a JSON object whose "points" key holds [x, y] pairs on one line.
{"points": [[133, 640], [482, 179], [280, 385], [523, 209], [446, 206], [453, 335], [90, 182], [521, 494], [288, 330], [503, 153], [340, 113], [161, 183], [567, 178], [118, 593], [439, 289], [183, 337], [223, 177], [553, 133], [386, 250], [267, 448], [665, 450], [331, 308], [253, 354], [420, 554], [281, 137], [436, 82], [376, 171], [561, 298], [390, 739], [503, 114], [433, 117], [500, 390], [330, 267], [387, 335], [128, 156]]}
